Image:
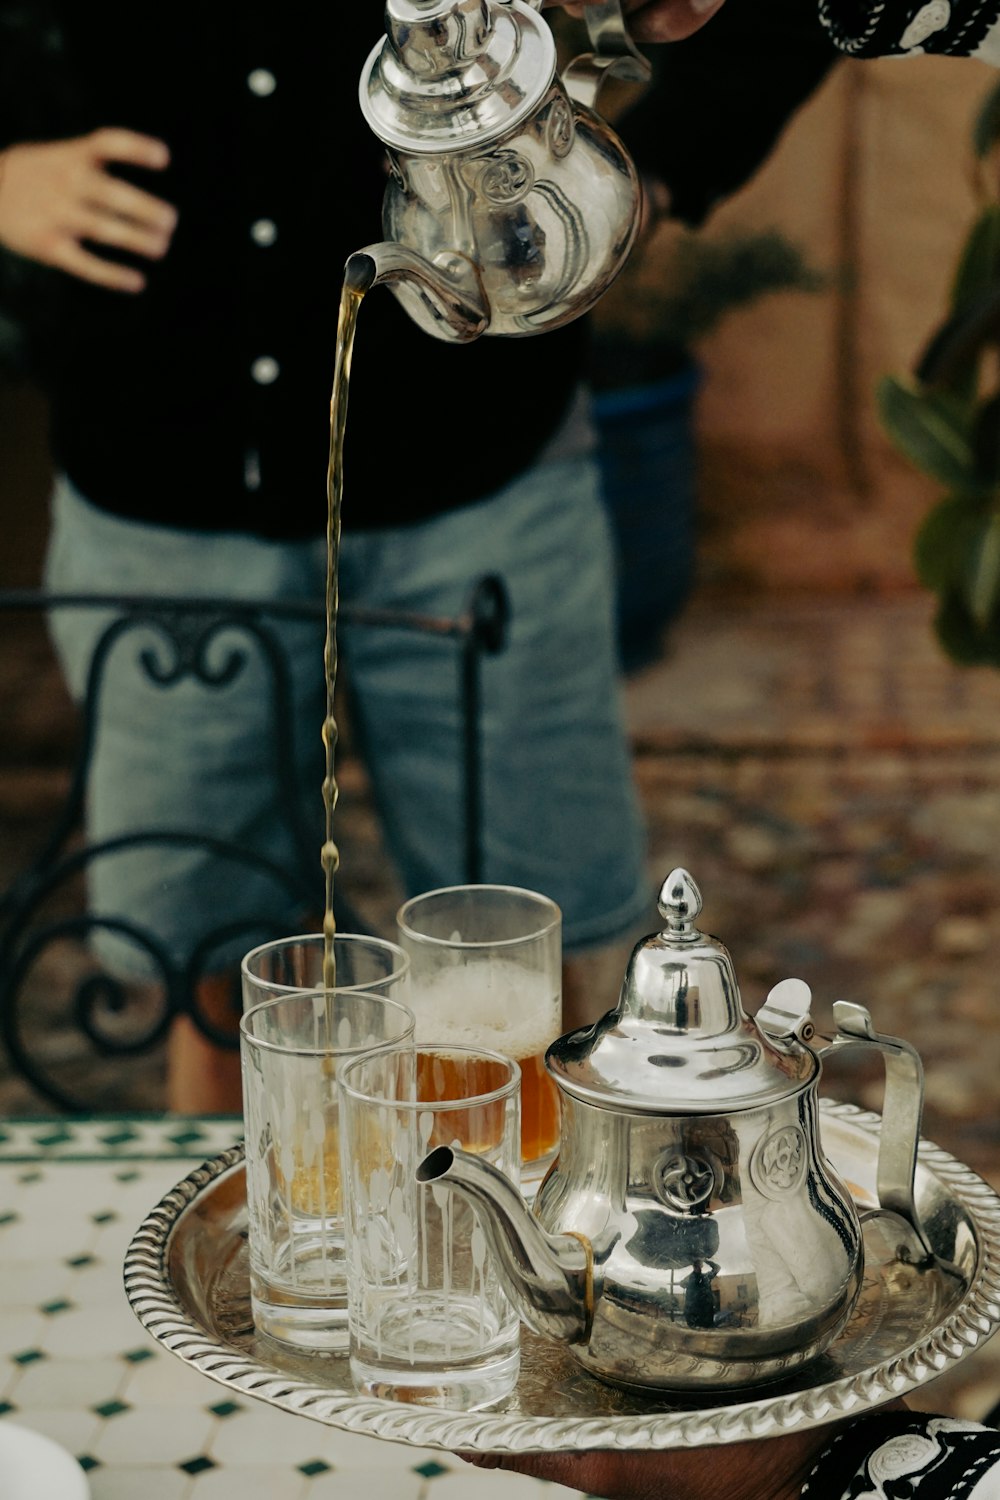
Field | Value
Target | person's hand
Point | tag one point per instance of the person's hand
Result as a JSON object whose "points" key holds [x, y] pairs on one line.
{"points": [[657, 20], [774, 1469], [56, 194]]}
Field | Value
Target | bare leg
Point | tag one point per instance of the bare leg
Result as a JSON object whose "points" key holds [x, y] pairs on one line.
{"points": [[203, 1078]]}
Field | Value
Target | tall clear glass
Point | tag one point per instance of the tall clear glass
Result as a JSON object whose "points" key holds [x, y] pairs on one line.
{"points": [[429, 1320], [486, 971], [296, 963], [292, 1049]]}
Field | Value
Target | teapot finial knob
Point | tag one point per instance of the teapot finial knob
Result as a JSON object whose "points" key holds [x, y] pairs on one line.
{"points": [[680, 903]]}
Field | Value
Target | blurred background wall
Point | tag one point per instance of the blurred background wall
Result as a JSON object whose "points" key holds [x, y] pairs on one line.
{"points": [[874, 181]]}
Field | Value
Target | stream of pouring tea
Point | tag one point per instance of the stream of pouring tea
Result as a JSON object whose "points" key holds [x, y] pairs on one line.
{"points": [[354, 288]]}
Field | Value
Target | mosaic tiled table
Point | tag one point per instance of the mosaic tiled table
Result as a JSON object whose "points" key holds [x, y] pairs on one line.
{"points": [[76, 1366]]}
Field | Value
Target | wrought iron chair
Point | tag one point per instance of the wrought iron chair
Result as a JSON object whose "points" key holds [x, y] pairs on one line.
{"points": [[104, 1010]]}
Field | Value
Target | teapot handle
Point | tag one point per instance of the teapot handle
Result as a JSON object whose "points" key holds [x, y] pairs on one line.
{"points": [[615, 54], [901, 1111], [784, 1017]]}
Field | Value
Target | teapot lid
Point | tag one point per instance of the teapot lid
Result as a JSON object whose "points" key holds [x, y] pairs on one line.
{"points": [[450, 74], [679, 1040]]}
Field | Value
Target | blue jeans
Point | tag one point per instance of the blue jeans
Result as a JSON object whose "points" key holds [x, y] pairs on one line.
{"points": [[560, 812]]}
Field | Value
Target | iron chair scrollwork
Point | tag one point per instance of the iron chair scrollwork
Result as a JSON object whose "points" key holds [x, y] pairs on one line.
{"points": [[188, 629]]}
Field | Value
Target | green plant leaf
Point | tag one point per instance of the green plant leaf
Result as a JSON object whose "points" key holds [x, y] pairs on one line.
{"points": [[954, 352], [986, 440], [979, 264], [986, 130], [963, 640], [982, 577], [931, 430], [951, 359], [944, 542]]}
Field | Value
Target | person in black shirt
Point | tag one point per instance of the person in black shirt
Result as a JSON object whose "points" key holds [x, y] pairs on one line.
{"points": [[179, 194]]}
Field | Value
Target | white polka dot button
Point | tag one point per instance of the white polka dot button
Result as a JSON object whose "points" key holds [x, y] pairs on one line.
{"points": [[262, 82], [265, 370], [263, 232]]}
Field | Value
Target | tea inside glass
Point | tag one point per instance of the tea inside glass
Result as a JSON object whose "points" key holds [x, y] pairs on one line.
{"points": [[486, 971]]}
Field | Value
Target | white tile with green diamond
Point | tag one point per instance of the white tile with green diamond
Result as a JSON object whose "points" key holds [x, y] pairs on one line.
{"points": [[76, 1366]]}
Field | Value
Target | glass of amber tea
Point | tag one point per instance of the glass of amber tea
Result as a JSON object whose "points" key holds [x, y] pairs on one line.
{"points": [[292, 1049], [486, 971], [429, 1320]]}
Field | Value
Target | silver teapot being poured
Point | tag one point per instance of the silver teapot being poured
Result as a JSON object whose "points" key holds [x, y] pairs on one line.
{"points": [[691, 1233], [511, 206]]}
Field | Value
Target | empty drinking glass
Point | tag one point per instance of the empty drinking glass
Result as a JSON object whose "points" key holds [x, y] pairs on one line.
{"points": [[292, 1048], [429, 1321], [296, 963]]}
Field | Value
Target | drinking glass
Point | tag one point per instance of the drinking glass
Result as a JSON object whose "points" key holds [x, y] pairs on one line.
{"points": [[486, 971], [292, 1048], [429, 1321], [296, 963]]}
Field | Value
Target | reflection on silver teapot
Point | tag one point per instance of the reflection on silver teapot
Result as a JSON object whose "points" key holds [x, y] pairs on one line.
{"points": [[511, 205], [691, 1233]]}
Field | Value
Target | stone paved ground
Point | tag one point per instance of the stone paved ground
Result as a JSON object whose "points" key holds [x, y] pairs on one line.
{"points": [[832, 783]]}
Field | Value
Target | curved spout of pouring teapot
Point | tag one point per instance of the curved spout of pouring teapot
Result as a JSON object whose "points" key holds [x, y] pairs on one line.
{"points": [[548, 1277], [444, 296]]}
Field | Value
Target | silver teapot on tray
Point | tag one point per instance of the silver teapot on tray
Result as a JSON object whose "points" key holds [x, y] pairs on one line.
{"points": [[691, 1233], [511, 205]]}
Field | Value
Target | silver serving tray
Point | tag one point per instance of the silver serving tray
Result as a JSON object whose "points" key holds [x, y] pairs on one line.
{"points": [[186, 1278]]}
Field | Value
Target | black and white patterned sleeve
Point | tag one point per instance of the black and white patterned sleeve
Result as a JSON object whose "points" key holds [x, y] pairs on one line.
{"points": [[901, 28], [904, 1455]]}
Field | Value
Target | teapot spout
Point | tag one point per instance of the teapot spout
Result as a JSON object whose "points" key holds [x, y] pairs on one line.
{"points": [[444, 296], [548, 1277]]}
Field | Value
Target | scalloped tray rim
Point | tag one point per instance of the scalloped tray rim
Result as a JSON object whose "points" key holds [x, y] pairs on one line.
{"points": [[966, 1328]]}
